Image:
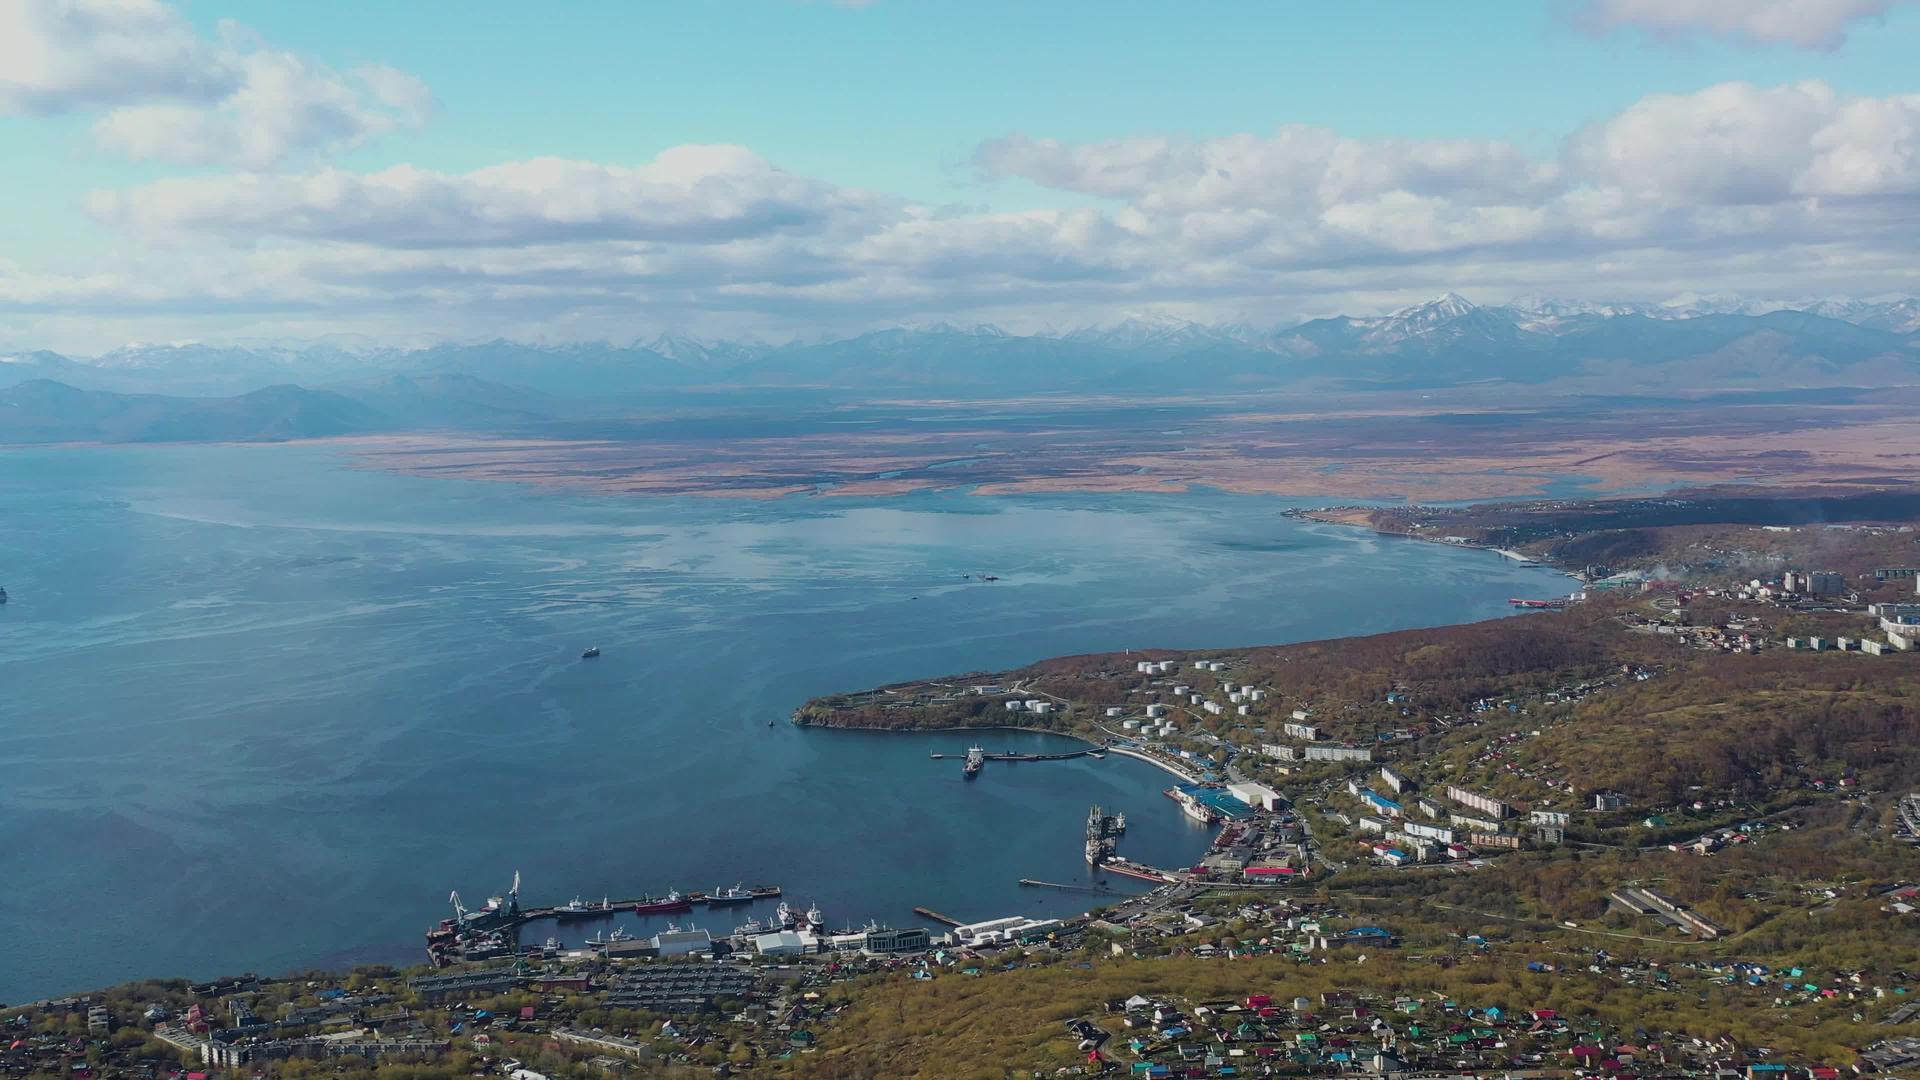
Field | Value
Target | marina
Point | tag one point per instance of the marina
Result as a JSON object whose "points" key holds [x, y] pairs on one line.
{"points": [[490, 930]]}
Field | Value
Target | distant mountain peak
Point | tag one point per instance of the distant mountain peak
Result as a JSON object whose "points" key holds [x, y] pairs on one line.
{"points": [[1449, 305]]}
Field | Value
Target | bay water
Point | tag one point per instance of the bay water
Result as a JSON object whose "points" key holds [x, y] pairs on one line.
{"points": [[263, 710]]}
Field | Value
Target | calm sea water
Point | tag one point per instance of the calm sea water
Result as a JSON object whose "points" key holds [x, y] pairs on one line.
{"points": [[260, 710]]}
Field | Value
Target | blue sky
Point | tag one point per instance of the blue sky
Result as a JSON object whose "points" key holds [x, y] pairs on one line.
{"points": [[139, 223]]}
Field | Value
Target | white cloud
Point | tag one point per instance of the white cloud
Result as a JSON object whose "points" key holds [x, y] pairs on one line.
{"points": [[1806, 24], [688, 195], [57, 55], [1740, 144], [173, 95], [1792, 189], [1297, 166]]}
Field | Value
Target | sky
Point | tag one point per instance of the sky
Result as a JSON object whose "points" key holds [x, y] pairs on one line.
{"points": [[404, 173]]}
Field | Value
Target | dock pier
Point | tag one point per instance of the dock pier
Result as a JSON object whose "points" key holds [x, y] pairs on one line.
{"points": [[929, 913], [1099, 890]]}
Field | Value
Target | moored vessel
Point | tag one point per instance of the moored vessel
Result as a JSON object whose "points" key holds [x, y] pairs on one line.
{"points": [[579, 909], [673, 901]]}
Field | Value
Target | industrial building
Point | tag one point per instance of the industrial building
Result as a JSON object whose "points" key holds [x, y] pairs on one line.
{"points": [[1259, 796], [674, 941]]}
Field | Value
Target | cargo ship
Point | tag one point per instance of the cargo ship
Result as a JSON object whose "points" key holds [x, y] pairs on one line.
{"points": [[673, 901], [1199, 811], [1193, 807], [1538, 605], [976, 757]]}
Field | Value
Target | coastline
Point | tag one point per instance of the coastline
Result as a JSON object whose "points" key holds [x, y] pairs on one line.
{"points": [[1166, 766], [948, 730], [1344, 517]]}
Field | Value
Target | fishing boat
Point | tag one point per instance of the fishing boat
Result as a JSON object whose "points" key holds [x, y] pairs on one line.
{"points": [[784, 916], [739, 894], [673, 901], [612, 937], [578, 909], [815, 920]]}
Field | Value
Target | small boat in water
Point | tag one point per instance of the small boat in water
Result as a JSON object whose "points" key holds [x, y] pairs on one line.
{"points": [[591, 652]]}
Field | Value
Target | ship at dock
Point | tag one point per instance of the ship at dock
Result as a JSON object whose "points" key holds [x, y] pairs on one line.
{"points": [[651, 905], [1102, 827], [1193, 807], [976, 757], [576, 909]]}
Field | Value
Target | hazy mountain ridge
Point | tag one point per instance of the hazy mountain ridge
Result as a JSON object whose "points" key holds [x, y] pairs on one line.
{"points": [[290, 391]]}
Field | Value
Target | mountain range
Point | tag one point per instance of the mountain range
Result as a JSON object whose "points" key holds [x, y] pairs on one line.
{"points": [[174, 392]]}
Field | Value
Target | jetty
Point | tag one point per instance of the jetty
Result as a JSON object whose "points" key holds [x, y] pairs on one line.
{"points": [[1099, 890], [929, 913]]}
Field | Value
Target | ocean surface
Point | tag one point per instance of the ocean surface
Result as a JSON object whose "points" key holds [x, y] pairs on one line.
{"points": [[261, 710]]}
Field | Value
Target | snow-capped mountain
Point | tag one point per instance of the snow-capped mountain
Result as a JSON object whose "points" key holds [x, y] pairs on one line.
{"points": [[1714, 342], [1163, 332]]}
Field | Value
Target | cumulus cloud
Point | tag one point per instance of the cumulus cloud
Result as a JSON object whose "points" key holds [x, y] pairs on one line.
{"points": [[1296, 166], [1785, 189], [1805, 24], [1741, 144], [686, 195], [171, 94], [57, 55]]}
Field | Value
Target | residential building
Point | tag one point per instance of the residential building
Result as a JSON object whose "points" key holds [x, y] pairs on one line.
{"points": [[1337, 752], [1486, 804]]}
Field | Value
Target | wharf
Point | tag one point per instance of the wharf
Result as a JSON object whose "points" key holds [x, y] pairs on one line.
{"points": [[929, 913], [513, 917], [1090, 751], [1040, 757], [1137, 870], [1100, 890], [619, 907]]}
